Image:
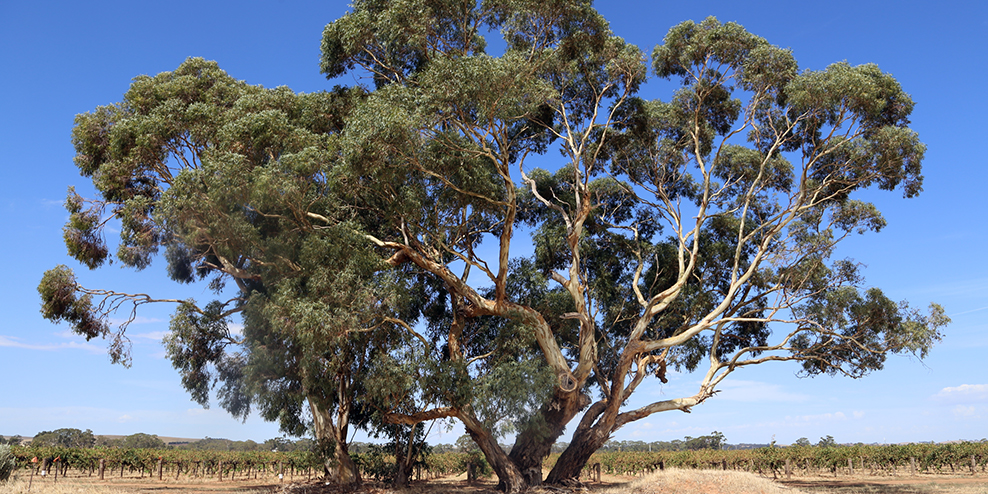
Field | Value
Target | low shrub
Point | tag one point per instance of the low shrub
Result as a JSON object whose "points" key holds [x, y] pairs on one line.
{"points": [[7, 462]]}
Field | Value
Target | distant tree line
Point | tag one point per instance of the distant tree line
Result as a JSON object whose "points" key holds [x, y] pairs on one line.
{"points": [[276, 444], [714, 440], [75, 438]]}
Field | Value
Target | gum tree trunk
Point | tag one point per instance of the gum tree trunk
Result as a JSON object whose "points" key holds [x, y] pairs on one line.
{"points": [[535, 442], [331, 436], [586, 440], [510, 477], [571, 462]]}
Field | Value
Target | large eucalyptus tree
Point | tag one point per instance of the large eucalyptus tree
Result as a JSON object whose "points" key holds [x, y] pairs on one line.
{"points": [[236, 183], [695, 232]]}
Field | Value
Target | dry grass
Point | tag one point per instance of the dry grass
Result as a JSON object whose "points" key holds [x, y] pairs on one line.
{"points": [[928, 488], [86, 486], [677, 481], [45, 486]]}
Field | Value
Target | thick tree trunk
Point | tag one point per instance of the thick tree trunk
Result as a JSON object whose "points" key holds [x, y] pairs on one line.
{"points": [[340, 468], [403, 472], [535, 442], [571, 462], [509, 476], [586, 440]]}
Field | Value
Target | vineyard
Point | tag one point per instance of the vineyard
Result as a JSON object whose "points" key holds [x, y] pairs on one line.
{"points": [[955, 458], [105, 463]]}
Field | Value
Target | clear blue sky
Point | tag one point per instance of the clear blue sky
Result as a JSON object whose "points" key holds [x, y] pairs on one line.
{"points": [[63, 58]]}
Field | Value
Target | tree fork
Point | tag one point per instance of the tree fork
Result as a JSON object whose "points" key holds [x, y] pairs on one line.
{"points": [[340, 467], [535, 441], [573, 459], [586, 441]]}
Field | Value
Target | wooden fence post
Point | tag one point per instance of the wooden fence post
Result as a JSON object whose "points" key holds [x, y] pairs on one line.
{"points": [[102, 467], [974, 465], [850, 466], [161, 466], [788, 470], [596, 472], [221, 471]]}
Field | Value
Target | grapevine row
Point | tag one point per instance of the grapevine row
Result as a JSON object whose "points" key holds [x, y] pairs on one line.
{"points": [[967, 457], [964, 457]]}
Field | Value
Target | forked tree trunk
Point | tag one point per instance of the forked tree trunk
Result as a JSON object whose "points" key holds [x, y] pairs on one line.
{"points": [[339, 467], [586, 440], [597, 424], [535, 442]]}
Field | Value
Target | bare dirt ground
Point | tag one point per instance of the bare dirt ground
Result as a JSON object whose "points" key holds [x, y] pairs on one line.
{"points": [[680, 482]]}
